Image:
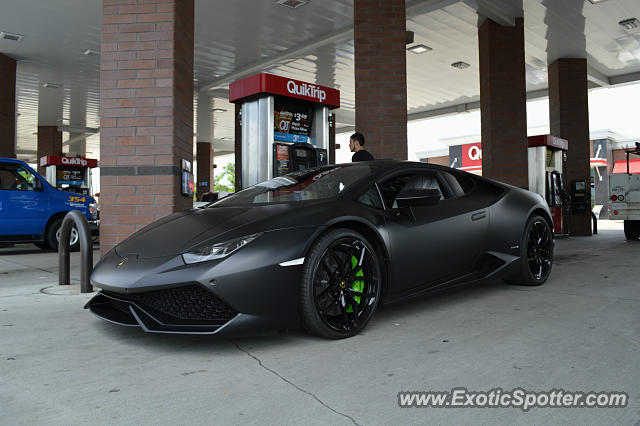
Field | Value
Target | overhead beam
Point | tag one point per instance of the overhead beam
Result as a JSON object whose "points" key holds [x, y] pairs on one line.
{"points": [[245, 71], [413, 8], [597, 77], [625, 78]]}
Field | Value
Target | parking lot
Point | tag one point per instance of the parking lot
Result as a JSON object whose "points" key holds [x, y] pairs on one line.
{"points": [[580, 331]]}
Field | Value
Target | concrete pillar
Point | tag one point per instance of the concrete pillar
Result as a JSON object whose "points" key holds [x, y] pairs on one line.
{"points": [[204, 157], [569, 119], [381, 76], [503, 106], [7, 106], [49, 143], [78, 144], [146, 112]]}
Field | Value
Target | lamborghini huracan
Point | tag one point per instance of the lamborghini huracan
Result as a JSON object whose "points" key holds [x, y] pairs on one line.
{"points": [[322, 248]]}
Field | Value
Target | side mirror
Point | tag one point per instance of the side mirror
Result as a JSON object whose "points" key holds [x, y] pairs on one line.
{"points": [[418, 198], [37, 185]]}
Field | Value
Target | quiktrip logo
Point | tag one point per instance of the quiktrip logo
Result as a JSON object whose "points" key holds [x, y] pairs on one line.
{"points": [[74, 161], [308, 90]]}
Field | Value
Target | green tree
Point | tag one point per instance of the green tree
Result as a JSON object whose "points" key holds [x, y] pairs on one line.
{"points": [[225, 181]]}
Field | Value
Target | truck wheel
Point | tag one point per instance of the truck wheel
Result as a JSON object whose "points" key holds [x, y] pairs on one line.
{"points": [[53, 234], [632, 229]]}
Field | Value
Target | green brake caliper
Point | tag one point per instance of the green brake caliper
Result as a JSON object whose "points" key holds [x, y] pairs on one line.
{"points": [[358, 285]]}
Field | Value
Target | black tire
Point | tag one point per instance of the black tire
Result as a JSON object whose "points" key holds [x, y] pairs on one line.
{"points": [[536, 253], [43, 246], [52, 236], [334, 302], [632, 229]]}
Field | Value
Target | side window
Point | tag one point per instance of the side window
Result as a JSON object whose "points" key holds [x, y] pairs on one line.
{"points": [[371, 198], [14, 177], [392, 186]]}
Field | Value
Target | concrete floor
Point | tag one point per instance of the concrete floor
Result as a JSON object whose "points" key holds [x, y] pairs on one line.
{"points": [[581, 331]]}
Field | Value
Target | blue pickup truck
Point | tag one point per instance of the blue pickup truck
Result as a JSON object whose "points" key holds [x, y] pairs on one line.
{"points": [[31, 210]]}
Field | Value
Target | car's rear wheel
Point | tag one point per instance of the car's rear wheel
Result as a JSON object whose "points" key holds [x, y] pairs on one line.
{"points": [[340, 286], [536, 253], [632, 229]]}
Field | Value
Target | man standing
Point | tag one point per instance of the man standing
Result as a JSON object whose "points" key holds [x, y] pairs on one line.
{"points": [[356, 144]]}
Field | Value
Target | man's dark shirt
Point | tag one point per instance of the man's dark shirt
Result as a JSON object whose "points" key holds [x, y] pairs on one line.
{"points": [[362, 155]]}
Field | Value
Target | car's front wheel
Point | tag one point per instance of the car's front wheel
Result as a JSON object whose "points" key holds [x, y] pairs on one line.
{"points": [[341, 283], [53, 236], [536, 251]]}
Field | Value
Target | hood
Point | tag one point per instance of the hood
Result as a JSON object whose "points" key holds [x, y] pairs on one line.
{"points": [[175, 233]]}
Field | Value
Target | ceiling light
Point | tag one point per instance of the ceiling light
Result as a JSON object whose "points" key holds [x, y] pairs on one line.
{"points": [[10, 36], [292, 4], [51, 85], [629, 24], [597, 1], [219, 110], [461, 65], [91, 52], [419, 48]]}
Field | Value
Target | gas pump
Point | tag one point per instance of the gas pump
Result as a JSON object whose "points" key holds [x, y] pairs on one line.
{"points": [[285, 125], [71, 174], [547, 159]]}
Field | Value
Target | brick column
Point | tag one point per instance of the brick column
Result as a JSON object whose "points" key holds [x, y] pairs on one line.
{"points": [[49, 143], [146, 112], [7, 106], [503, 102], [204, 157], [381, 76], [569, 119]]}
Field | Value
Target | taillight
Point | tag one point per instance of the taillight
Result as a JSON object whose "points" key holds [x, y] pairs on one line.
{"points": [[615, 212], [621, 198], [614, 198]]}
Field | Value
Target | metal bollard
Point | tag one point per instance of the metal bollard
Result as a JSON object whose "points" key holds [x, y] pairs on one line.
{"points": [[76, 218]]}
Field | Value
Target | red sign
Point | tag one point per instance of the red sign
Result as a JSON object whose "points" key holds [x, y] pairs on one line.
{"points": [[548, 140], [472, 156], [56, 160], [276, 85]]}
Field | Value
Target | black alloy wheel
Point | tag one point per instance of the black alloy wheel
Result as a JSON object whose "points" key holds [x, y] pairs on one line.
{"points": [[536, 253], [341, 285], [539, 250]]}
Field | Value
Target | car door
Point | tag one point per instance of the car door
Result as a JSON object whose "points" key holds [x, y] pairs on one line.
{"points": [[441, 243], [22, 202]]}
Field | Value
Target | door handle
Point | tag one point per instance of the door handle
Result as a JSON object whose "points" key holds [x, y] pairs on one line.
{"points": [[478, 215]]}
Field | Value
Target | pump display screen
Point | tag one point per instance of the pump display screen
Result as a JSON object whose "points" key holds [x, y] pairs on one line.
{"points": [[292, 120], [71, 176]]}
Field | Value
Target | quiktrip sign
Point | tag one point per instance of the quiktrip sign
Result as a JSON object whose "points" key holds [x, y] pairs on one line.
{"points": [[59, 160], [276, 85]]}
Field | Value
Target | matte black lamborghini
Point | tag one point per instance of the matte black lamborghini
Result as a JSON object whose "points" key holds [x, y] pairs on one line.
{"points": [[322, 248]]}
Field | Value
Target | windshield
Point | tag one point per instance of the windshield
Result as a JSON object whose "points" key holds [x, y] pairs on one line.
{"points": [[316, 184]]}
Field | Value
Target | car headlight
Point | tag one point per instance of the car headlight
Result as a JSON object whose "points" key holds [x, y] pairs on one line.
{"points": [[93, 209], [216, 250]]}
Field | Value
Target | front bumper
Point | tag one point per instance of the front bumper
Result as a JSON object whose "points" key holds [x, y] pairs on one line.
{"points": [[252, 290], [186, 309]]}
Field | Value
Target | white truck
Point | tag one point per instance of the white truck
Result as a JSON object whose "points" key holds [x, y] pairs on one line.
{"points": [[624, 193]]}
